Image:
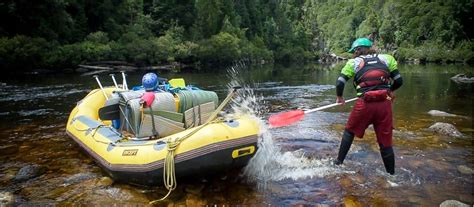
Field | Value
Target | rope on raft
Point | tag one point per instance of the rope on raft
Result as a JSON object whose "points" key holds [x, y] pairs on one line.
{"points": [[169, 173]]}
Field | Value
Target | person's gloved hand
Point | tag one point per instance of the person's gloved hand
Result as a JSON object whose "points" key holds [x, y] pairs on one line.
{"points": [[340, 99]]}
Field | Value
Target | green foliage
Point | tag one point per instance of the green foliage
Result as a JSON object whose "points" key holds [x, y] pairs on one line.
{"points": [[58, 33], [166, 13], [73, 54], [368, 26], [165, 47], [423, 29], [290, 54], [98, 37], [464, 51], [186, 52], [222, 48], [256, 50], [436, 52], [209, 18], [22, 51]]}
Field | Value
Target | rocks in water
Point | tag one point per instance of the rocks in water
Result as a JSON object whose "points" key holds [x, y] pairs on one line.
{"points": [[351, 201], [29, 172], [8, 174], [463, 169], [119, 193], [462, 78], [452, 203], [346, 182], [192, 200], [440, 113], [78, 178], [326, 57], [446, 129], [87, 193], [105, 182], [6, 198], [416, 200]]}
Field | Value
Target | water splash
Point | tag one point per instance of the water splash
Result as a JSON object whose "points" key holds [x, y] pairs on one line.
{"points": [[403, 177], [246, 101], [269, 163]]}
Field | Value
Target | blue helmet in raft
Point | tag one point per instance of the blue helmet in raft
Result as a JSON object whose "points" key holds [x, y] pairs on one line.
{"points": [[150, 81]]}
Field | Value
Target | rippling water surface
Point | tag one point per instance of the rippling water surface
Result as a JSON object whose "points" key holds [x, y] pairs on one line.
{"points": [[293, 164]]}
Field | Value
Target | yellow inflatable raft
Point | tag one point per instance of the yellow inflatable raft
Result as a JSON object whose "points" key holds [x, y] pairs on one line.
{"points": [[204, 149]]}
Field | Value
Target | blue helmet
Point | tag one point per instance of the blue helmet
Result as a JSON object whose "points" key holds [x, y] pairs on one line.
{"points": [[150, 81]]}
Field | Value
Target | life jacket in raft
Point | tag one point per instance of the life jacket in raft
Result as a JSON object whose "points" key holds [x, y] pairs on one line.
{"points": [[372, 75]]}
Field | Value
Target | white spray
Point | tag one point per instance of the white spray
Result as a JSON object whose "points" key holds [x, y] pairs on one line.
{"points": [[269, 163]]}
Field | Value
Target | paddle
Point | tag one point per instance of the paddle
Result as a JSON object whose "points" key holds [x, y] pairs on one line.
{"points": [[290, 117]]}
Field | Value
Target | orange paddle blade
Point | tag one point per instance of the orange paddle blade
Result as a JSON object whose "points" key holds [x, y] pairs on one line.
{"points": [[285, 118]]}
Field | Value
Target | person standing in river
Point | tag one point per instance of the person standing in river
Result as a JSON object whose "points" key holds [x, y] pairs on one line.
{"points": [[375, 78]]}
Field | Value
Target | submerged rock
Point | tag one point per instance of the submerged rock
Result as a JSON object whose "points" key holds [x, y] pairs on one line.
{"points": [[119, 193], [105, 182], [78, 178], [440, 113], [462, 78], [6, 198], [192, 200], [114, 193], [463, 169], [446, 129], [452, 203], [111, 196], [29, 172], [416, 200], [8, 174], [351, 201]]}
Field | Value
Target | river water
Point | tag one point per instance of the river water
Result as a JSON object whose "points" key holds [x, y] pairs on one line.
{"points": [[293, 165]]}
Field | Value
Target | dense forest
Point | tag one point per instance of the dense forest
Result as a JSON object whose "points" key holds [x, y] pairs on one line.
{"points": [[65, 33]]}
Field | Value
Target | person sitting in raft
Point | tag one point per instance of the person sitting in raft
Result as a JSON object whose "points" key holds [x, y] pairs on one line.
{"points": [[375, 78]]}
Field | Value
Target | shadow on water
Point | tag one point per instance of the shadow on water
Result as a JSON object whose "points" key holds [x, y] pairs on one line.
{"points": [[293, 164]]}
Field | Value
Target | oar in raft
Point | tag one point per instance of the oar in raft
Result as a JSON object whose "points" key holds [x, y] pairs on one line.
{"points": [[290, 117]]}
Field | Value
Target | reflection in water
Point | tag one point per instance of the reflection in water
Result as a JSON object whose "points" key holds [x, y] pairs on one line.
{"points": [[293, 164]]}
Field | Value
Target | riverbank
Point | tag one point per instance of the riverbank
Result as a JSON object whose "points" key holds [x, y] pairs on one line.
{"points": [[107, 67], [22, 53]]}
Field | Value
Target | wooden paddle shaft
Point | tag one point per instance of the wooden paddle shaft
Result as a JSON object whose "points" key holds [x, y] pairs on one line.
{"points": [[328, 106]]}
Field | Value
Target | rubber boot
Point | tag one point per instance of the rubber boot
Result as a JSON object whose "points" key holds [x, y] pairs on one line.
{"points": [[388, 158], [346, 142]]}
